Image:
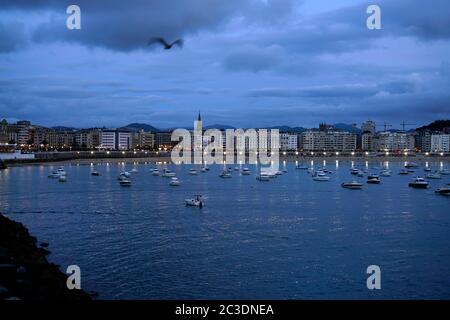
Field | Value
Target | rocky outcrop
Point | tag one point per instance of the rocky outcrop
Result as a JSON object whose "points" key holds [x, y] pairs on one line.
{"points": [[25, 273]]}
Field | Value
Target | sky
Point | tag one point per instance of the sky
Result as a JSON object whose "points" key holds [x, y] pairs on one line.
{"points": [[245, 63]]}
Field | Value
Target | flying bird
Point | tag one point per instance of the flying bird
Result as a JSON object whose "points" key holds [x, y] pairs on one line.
{"points": [[165, 44]]}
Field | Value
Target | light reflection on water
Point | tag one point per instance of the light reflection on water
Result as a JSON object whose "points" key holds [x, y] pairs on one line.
{"points": [[287, 238]]}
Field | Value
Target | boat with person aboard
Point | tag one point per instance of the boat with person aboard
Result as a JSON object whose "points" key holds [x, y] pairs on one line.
{"points": [[196, 201]]}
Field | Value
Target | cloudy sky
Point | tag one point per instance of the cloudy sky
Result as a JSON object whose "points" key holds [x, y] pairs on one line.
{"points": [[246, 63]]}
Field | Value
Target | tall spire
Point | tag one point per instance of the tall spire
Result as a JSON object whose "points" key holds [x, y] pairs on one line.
{"points": [[199, 116]]}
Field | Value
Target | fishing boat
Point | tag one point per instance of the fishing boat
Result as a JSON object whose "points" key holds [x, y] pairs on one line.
{"points": [[196, 201], [352, 185], [419, 183], [444, 191], [174, 182]]}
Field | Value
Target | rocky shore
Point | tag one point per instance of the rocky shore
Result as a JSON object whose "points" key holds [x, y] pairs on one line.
{"points": [[25, 272]]}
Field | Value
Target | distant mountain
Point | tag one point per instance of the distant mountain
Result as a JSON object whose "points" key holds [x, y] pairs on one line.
{"points": [[288, 129], [347, 127], [438, 125], [62, 128], [218, 126], [139, 127]]}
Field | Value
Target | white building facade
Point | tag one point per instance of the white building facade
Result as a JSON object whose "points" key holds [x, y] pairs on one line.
{"points": [[440, 142]]}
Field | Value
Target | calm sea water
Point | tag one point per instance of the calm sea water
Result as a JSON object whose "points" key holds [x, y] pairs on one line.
{"points": [[290, 238]]}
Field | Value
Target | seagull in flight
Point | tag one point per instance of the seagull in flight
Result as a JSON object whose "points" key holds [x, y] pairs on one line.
{"points": [[165, 44]]}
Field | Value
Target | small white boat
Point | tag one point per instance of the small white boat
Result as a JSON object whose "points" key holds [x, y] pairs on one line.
{"points": [[285, 170], [279, 173], [62, 178], [155, 172], [95, 173], [134, 170], [427, 169], [245, 172], [352, 185], [419, 183], [444, 172], [263, 177], [225, 174], [203, 169], [174, 182], [193, 172], [125, 182], [196, 201], [236, 168], [168, 173], [403, 172], [434, 175], [373, 179], [354, 171], [320, 176], [444, 191]]}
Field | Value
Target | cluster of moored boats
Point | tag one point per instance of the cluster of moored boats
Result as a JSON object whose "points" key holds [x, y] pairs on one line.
{"points": [[317, 174]]}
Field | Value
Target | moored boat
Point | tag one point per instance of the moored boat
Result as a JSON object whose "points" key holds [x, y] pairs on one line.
{"points": [[174, 182], [419, 183], [352, 185], [444, 191]]}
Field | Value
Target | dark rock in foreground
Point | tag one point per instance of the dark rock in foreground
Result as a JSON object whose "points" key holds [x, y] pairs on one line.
{"points": [[25, 272]]}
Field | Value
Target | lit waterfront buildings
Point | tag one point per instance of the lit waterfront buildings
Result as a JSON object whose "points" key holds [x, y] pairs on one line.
{"points": [[328, 141], [395, 141], [440, 142], [116, 140]]}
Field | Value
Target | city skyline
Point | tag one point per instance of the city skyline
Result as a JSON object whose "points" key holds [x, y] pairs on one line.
{"points": [[244, 63]]}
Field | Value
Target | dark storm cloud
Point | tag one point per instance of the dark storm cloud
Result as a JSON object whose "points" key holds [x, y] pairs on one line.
{"points": [[128, 25]]}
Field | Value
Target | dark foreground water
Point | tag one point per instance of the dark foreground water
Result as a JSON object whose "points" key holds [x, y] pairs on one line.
{"points": [[288, 238]]}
